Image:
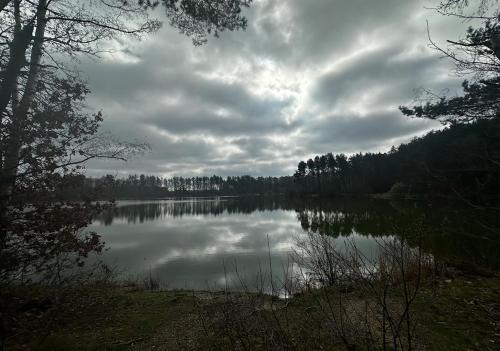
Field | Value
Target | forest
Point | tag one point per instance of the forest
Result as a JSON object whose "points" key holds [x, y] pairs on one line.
{"points": [[457, 161]]}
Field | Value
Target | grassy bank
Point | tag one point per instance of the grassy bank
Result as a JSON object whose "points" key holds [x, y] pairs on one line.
{"points": [[455, 313]]}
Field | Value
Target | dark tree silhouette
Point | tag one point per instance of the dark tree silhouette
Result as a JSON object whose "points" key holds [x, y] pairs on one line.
{"points": [[476, 56], [46, 134]]}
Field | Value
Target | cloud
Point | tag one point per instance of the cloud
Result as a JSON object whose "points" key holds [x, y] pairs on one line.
{"points": [[306, 77], [376, 132]]}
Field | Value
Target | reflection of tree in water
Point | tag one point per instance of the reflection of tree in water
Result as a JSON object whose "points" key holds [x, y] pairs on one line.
{"points": [[148, 211], [373, 218], [451, 232]]}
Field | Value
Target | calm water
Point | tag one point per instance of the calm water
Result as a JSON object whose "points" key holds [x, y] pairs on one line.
{"points": [[199, 243]]}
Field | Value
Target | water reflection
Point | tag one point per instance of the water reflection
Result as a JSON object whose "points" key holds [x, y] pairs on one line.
{"points": [[187, 242], [140, 211]]}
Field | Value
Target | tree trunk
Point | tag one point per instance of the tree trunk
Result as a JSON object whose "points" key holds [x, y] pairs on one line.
{"points": [[17, 60], [14, 142], [19, 116]]}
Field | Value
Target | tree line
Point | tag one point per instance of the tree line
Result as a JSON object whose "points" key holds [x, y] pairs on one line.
{"points": [[459, 160], [151, 186]]}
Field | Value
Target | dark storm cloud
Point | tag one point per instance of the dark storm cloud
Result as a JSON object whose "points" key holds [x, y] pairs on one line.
{"points": [[307, 77], [380, 73], [264, 119], [353, 132], [301, 32]]}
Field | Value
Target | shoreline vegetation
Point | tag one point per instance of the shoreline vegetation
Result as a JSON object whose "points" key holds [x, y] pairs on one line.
{"points": [[329, 297], [456, 311]]}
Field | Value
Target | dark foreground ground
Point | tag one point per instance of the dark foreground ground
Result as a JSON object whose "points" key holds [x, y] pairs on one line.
{"points": [[456, 313]]}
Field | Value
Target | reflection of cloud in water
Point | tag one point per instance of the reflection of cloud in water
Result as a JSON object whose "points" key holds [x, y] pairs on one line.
{"points": [[185, 243], [191, 250]]}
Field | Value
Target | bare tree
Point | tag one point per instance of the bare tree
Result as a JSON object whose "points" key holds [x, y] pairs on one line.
{"points": [[38, 36], [46, 134]]}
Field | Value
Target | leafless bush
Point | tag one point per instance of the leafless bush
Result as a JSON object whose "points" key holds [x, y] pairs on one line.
{"points": [[329, 295], [151, 283], [369, 296], [245, 321]]}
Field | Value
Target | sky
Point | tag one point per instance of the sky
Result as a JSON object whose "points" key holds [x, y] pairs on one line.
{"points": [[305, 78]]}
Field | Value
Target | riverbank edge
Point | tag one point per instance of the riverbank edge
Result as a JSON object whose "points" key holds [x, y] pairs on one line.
{"points": [[459, 312]]}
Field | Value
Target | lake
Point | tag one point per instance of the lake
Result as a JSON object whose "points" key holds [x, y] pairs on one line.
{"points": [[204, 243]]}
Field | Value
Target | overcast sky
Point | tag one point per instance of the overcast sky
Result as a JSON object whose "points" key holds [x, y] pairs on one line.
{"points": [[307, 77]]}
